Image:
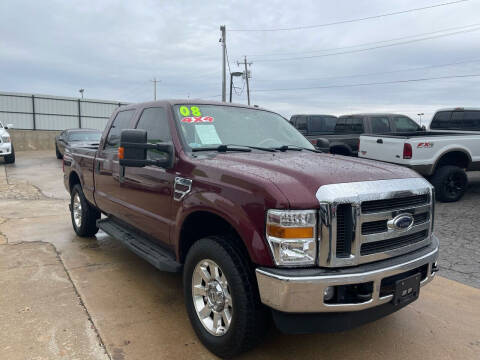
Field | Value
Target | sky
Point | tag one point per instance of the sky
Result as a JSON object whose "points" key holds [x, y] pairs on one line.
{"points": [[113, 49]]}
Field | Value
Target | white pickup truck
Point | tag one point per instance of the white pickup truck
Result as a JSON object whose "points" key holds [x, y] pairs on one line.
{"points": [[443, 154], [6, 146]]}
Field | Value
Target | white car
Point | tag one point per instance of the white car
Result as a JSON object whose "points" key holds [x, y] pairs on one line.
{"points": [[6, 146], [442, 154]]}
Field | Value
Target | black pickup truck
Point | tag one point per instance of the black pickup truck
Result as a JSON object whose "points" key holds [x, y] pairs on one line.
{"points": [[313, 126], [345, 137]]}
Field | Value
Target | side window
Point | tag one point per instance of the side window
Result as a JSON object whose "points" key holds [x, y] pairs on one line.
{"points": [[322, 123], [155, 122], [380, 125], [441, 120], [293, 120], [457, 120], [471, 120], [404, 124], [121, 122], [301, 123]]}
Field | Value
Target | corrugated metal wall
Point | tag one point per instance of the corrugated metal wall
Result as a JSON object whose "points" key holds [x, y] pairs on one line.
{"points": [[42, 112]]}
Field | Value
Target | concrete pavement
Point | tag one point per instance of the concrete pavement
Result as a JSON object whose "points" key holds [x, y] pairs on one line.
{"points": [[58, 292]]}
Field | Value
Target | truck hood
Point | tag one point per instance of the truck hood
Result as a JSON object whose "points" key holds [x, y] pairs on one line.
{"points": [[299, 174]]}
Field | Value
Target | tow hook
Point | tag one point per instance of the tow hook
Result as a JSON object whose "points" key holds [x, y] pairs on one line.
{"points": [[435, 268]]}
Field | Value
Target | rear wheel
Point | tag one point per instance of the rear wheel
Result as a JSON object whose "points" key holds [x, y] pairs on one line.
{"points": [[221, 297], [84, 216], [10, 159], [450, 183]]}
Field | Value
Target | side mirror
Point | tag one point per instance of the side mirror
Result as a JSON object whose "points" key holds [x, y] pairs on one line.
{"points": [[9, 126], [133, 150]]}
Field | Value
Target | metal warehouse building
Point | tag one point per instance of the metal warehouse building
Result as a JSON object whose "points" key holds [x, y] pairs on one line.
{"points": [[46, 112]]}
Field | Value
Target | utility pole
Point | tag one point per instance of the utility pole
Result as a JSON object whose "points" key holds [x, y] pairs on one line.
{"points": [[155, 81], [223, 40], [246, 76]]}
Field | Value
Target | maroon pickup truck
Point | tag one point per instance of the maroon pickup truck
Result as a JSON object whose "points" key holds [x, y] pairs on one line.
{"points": [[261, 224]]}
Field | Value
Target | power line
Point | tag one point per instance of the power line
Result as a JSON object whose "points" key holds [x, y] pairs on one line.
{"points": [[381, 72], [368, 48], [352, 20], [369, 84], [367, 43]]}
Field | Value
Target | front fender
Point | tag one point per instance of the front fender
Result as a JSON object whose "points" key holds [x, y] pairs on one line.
{"points": [[249, 228]]}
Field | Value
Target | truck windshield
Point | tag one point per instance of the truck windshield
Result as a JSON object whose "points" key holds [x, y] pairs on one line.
{"points": [[213, 125]]}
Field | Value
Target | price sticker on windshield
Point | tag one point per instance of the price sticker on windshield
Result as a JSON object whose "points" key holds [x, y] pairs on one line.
{"points": [[197, 119], [192, 110]]}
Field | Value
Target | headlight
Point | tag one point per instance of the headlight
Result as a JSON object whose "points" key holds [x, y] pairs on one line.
{"points": [[292, 236], [5, 138]]}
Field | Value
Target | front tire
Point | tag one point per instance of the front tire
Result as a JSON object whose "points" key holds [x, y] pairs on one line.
{"points": [[221, 297], [450, 183], [84, 216]]}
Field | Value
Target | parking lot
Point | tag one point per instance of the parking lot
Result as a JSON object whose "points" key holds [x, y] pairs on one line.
{"points": [[78, 298]]}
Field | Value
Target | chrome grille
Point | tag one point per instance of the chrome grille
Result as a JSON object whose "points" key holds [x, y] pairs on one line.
{"points": [[394, 204], [355, 216]]}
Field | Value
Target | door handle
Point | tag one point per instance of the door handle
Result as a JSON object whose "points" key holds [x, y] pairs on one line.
{"points": [[379, 141]]}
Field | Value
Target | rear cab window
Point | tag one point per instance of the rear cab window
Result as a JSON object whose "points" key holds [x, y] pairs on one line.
{"points": [[441, 120], [471, 120]]}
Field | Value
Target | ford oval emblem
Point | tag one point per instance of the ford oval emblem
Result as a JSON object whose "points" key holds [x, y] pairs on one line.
{"points": [[401, 222]]}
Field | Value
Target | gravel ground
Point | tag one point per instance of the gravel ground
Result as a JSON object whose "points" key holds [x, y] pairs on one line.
{"points": [[457, 225]]}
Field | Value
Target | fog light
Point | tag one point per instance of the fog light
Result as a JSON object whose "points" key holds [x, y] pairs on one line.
{"points": [[328, 293]]}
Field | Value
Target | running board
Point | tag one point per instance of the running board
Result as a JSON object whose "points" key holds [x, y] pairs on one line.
{"points": [[153, 253]]}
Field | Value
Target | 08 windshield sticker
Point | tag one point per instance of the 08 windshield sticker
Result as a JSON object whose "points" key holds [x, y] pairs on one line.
{"points": [[197, 119]]}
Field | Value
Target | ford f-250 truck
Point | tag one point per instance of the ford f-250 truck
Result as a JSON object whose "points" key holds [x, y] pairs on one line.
{"points": [[261, 224]]}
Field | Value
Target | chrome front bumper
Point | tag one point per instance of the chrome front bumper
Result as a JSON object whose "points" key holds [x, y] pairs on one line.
{"points": [[304, 294]]}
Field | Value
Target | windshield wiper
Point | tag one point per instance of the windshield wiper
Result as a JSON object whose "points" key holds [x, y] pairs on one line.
{"points": [[295, 148], [233, 147], [222, 148]]}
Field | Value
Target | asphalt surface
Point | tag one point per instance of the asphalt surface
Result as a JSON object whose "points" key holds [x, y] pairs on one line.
{"points": [[457, 225], [65, 297]]}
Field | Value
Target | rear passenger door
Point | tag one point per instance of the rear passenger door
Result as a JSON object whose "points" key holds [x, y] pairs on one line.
{"points": [[107, 189], [148, 191]]}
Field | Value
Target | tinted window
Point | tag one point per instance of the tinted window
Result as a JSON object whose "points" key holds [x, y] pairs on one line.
{"points": [[441, 120], [341, 125], [154, 121], [356, 125], [456, 120], [349, 125], [121, 122], [404, 124], [301, 123], [471, 120], [322, 123], [380, 124]]}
